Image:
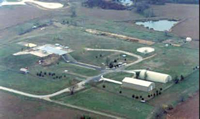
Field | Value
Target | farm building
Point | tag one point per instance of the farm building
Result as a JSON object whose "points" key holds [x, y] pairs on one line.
{"points": [[154, 76], [137, 84], [50, 49], [24, 70]]}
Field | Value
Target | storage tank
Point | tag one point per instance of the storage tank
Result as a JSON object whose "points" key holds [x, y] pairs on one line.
{"points": [[154, 76], [137, 84]]}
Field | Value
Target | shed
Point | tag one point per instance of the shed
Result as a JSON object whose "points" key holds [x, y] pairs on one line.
{"points": [[24, 70], [154, 76], [133, 83]]}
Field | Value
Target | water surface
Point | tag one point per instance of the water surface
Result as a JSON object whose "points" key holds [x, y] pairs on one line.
{"points": [[161, 25]]}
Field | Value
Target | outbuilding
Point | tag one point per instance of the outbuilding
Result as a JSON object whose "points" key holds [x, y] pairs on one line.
{"points": [[24, 70], [154, 76], [141, 85]]}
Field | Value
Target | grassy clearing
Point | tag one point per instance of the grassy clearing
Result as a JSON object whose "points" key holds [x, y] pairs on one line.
{"points": [[128, 29], [172, 60], [11, 77], [101, 58], [118, 76], [115, 88], [110, 103]]}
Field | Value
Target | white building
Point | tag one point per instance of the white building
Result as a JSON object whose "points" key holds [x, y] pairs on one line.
{"points": [[154, 76], [137, 84], [24, 70]]}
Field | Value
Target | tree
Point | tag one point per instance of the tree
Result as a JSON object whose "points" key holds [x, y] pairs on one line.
{"points": [[141, 7], [107, 61], [176, 80], [104, 86], [73, 12], [71, 89], [182, 77]]}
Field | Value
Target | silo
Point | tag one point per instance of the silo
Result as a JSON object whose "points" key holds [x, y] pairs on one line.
{"points": [[154, 76]]}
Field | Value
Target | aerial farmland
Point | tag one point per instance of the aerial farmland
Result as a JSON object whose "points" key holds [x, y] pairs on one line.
{"points": [[97, 62]]}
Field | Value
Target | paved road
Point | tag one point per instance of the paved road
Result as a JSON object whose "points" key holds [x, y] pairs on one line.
{"points": [[89, 66], [139, 58]]}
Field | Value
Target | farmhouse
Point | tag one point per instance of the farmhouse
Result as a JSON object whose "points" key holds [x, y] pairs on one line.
{"points": [[137, 84], [154, 76]]}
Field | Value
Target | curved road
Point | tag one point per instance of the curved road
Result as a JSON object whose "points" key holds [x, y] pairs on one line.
{"points": [[139, 58]]}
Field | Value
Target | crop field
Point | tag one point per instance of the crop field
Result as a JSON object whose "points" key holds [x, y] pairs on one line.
{"points": [[191, 106]]}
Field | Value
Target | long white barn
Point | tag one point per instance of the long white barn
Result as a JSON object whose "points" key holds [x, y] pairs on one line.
{"points": [[137, 84]]}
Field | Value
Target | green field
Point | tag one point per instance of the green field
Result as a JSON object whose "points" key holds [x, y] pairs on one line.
{"points": [[107, 102], [174, 61], [11, 76], [100, 58]]}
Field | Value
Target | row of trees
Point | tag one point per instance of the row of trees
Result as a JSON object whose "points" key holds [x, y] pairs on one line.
{"points": [[43, 74], [177, 79], [156, 93], [104, 4]]}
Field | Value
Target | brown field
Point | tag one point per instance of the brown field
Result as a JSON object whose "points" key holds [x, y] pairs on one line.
{"points": [[186, 110], [17, 15], [13, 107], [188, 13]]}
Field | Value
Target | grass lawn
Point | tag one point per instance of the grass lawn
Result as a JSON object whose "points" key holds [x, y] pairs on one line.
{"points": [[101, 58], [12, 78], [111, 103], [171, 60]]}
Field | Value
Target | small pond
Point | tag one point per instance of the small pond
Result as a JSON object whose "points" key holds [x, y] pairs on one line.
{"points": [[160, 25]]}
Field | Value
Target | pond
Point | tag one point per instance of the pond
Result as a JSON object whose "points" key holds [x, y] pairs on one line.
{"points": [[160, 25]]}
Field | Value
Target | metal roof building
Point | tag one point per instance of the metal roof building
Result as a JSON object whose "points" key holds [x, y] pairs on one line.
{"points": [[137, 84], [52, 50], [154, 76]]}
